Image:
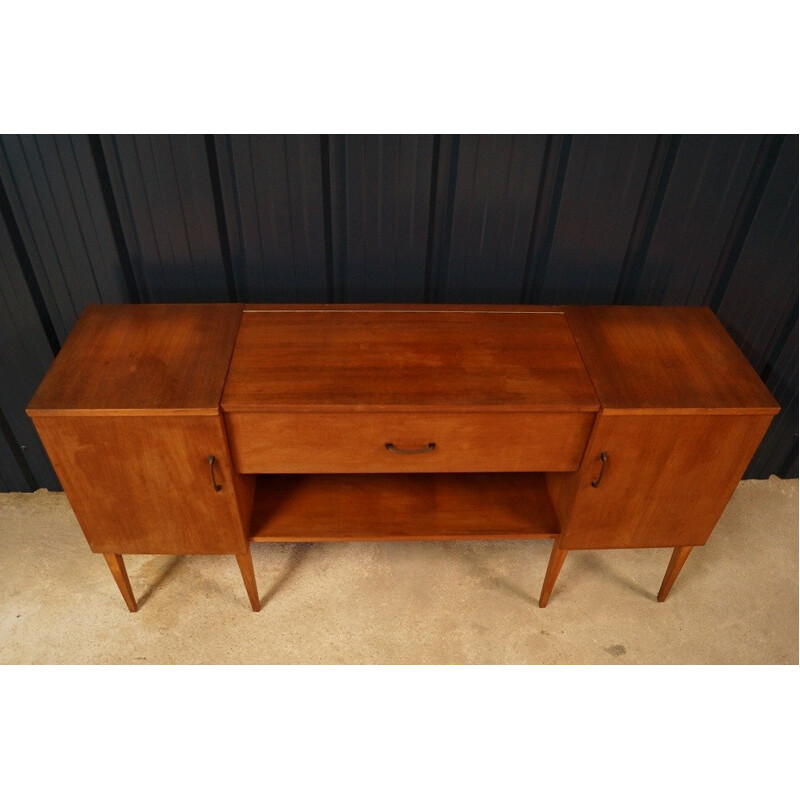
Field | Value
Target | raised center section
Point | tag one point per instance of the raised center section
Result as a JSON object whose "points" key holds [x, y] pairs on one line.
{"points": [[327, 389]]}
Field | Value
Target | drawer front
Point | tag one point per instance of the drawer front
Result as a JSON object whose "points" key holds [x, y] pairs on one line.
{"points": [[436, 442]]}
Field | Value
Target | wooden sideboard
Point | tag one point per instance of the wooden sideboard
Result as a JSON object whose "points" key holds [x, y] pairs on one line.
{"points": [[202, 428]]}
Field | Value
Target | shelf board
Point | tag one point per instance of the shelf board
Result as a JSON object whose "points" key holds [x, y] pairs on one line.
{"points": [[328, 508]]}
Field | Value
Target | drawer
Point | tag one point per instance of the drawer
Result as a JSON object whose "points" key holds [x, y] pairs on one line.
{"points": [[430, 442]]}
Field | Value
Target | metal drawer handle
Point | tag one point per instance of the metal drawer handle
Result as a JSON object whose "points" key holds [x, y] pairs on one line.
{"points": [[211, 462], [596, 481], [429, 448]]}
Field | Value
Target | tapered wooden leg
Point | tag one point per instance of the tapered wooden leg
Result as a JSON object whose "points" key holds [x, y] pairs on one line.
{"points": [[249, 577], [679, 556], [117, 567], [557, 556]]}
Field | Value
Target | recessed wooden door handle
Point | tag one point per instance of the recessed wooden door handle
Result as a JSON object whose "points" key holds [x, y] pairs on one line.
{"points": [[429, 448], [211, 462], [596, 481]]}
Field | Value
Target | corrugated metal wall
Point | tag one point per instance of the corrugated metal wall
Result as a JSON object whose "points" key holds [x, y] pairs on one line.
{"points": [[709, 220]]}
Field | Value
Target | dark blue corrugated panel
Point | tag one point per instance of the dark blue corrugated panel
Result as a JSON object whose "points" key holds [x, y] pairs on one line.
{"points": [[759, 298], [163, 191], [703, 190], [14, 473], [272, 189], [25, 355], [778, 451], [600, 199], [440, 218], [761, 290], [496, 185], [380, 203], [57, 203]]}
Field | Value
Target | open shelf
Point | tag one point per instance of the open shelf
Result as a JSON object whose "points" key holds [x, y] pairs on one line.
{"points": [[327, 508]]}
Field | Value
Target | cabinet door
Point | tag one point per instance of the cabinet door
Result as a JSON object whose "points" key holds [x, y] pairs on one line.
{"points": [[143, 484], [665, 483]]}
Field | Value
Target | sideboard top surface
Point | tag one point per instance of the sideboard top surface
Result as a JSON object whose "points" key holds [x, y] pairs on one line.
{"points": [[174, 359], [142, 359], [426, 358], [646, 358]]}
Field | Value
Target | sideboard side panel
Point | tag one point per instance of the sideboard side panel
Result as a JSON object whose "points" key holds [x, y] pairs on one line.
{"points": [[666, 482], [143, 484]]}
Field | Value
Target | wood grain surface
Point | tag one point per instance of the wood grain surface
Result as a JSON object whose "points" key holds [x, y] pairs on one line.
{"points": [[134, 358], [645, 359], [319, 508], [117, 567], [676, 562], [557, 557], [498, 399], [376, 360], [143, 484], [465, 442], [666, 482]]}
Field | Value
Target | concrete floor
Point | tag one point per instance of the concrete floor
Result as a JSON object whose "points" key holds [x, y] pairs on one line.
{"points": [[736, 601]]}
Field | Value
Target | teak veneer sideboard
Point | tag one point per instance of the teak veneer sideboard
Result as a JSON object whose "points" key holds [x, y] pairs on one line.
{"points": [[192, 429]]}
